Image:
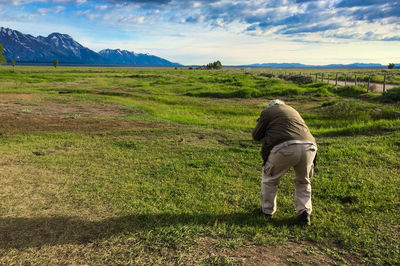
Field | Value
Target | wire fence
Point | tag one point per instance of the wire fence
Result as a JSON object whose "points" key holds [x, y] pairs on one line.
{"points": [[372, 82]]}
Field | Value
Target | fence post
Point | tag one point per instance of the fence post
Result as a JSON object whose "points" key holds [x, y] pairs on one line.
{"points": [[316, 77], [322, 77], [384, 83], [345, 80], [355, 80], [369, 81], [336, 79]]}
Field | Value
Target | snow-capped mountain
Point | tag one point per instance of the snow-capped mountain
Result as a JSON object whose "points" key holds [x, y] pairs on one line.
{"points": [[26, 48], [29, 49], [123, 57], [70, 50]]}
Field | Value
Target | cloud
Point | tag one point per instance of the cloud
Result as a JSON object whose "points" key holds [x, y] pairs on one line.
{"points": [[311, 29], [359, 3], [146, 4], [102, 7], [376, 12]]}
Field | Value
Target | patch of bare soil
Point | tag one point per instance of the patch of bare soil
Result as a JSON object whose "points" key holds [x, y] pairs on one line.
{"points": [[19, 116], [290, 253], [28, 123], [15, 96], [51, 109]]}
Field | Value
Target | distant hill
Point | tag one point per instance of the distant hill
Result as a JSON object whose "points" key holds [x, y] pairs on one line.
{"points": [[297, 65], [25, 48]]}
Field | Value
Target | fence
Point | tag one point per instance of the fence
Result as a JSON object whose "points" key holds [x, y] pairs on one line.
{"points": [[343, 79]]}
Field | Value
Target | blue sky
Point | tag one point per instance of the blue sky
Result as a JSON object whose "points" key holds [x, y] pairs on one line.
{"points": [[235, 31]]}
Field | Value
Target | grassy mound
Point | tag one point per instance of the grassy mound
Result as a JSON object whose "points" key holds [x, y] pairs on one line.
{"points": [[392, 95]]}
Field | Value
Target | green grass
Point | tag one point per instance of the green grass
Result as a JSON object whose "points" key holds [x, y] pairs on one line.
{"points": [[157, 166]]}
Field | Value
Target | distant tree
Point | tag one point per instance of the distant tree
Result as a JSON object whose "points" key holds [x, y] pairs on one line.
{"points": [[391, 66], [13, 64], [218, 65], [55, 63], [214, 65], [2, 58]]}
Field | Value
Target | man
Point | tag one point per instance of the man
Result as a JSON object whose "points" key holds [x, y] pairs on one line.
{"points": [[286, 142]]}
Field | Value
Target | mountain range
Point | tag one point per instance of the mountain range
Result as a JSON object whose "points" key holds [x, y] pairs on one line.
{"points": [[25, 48]]}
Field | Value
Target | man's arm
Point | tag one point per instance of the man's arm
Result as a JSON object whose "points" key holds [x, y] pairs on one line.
{"points": [[259, 131]]}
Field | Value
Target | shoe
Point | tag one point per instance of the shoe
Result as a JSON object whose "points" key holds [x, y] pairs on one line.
{"points": [[260, 211], [304, 218]]}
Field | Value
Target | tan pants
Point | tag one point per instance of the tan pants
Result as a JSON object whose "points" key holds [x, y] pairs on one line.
{"points": [[298, 155]]}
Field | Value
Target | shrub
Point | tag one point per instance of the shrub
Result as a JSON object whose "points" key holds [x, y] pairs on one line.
{"points": [[392, 95], [299, 79], [267, 75], [348, 91]]}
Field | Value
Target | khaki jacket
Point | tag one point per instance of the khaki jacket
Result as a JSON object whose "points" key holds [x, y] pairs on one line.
{"points": [[277, 124]]}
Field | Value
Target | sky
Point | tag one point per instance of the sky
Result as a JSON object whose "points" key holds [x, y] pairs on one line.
{"points": [[235, 32]]}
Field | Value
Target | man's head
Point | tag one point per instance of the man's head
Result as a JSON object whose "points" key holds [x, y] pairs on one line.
{"points": [[275, 102]]}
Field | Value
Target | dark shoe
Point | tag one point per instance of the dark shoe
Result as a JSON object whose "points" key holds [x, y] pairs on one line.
{"points": [[260, 211], [304, 219]]}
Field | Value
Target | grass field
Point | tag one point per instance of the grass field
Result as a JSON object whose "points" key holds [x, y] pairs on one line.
{"points": [[157, 166]]}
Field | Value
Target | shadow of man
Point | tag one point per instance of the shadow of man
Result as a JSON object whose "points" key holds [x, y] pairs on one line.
{"points": [[21, 233]]}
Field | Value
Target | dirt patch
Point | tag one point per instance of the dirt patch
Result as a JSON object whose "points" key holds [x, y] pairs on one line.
{"points": [[15, 96], [30, 123], [27, 113], [289, 253], [51, 109]]}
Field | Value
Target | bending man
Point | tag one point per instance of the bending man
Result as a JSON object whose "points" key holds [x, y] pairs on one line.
{"points": [[286, 142]]}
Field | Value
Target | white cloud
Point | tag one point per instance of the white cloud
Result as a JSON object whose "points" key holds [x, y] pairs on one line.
{"points": [[196, 4], [92, 16], [102, 7], [59, 9], [43, 11], [83, 12]]}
